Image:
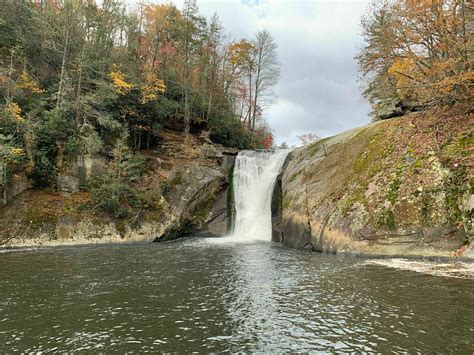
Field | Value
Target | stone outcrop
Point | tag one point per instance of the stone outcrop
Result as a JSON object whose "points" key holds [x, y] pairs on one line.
{"points": [[199, 201], [192, 172], [19, 183], [393, 107], [397, 187]]}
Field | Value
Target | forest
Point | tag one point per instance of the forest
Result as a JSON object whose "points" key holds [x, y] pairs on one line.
{"points": [[101, 78]]}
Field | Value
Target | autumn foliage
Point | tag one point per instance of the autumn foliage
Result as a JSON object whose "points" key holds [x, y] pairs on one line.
{"points": [[418, 52], [267, 141]]}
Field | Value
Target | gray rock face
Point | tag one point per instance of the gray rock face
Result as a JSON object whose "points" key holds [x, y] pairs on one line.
{"points": [[358, 193], [193, 179], [277, 205], [18, 184], [393, 107], [83, 167], [387, 109], [199, 200]]}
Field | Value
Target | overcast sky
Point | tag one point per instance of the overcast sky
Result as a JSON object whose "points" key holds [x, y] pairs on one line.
{"points": [[317, 40]]}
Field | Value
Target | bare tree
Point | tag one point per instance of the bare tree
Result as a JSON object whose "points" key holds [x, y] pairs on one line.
{"points": [[308, 138], [267, 73]]}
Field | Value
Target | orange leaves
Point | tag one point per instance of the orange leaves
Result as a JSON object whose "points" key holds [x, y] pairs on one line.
{"points": [[420, 54], [161, 16]]}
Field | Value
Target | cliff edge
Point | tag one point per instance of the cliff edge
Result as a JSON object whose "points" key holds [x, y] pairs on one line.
{"points": [[396, 187]]}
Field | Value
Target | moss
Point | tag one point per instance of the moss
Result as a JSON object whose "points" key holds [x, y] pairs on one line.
{"points": [[455, 188], [386, 219], [461, 146], [201, 211], [286, 201], [426, 207], [167, 166], [120, 225], [177, 180], [37, 218], [368, 164], [394, 186], [294, 176], [317, 146], [68, 206]]}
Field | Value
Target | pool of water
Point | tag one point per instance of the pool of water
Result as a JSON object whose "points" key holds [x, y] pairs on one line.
{"points": [[196, 295]]}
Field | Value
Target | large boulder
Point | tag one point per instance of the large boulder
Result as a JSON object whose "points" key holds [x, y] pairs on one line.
{"points": [[198, 199], [390, 188]]}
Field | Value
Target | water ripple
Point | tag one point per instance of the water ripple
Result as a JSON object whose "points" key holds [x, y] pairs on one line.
{"points": [[199, 296]]}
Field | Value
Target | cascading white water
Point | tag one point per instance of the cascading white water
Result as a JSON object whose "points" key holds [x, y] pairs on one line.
{"points": [[255, 173]]}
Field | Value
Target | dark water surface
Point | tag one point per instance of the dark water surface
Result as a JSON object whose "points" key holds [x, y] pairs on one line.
{"points": [[195, 295]]}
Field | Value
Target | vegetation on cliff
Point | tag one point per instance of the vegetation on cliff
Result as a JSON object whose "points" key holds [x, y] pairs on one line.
{"points": [[85, 79], [401, 186], [417, 54]]}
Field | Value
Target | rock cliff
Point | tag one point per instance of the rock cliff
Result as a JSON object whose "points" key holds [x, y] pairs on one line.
{"points": [[397, 187], [188, 185]]}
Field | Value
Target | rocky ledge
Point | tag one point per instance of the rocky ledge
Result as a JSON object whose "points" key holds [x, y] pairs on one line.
{"points": [[188, 184], [397, 187]]}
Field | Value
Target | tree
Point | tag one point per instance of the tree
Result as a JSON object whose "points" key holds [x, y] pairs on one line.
{"points": [[308, 138], [78, 77], [267, 141], [190, 40], [417, 52], [267, 72]]}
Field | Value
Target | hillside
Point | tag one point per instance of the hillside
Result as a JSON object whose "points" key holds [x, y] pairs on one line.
{"points": [[179, 190], [396, 187]]}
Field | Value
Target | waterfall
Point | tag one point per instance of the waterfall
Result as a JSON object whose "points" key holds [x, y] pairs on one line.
{"points": [[255, 173]]}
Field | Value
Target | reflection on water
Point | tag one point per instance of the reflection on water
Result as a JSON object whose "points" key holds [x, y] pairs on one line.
{"points": [[202, 296]]}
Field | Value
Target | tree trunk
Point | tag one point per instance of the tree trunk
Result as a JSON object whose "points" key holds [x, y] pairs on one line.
{"points": [[10, 73], [63, 66], [257, 88], [4, 182]]}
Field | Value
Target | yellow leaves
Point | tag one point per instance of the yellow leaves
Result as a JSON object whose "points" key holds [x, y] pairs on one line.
{"points": [[16, 152], [240, 52], [15, 110], [402, 69], [404, 72], [152, 87], [11, 155], [29, 84], [149, 90], [118, 81]]}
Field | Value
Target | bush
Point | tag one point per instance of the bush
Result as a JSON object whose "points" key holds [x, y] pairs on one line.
{"points": [[119, 195], [112, 198], [228, 131]]}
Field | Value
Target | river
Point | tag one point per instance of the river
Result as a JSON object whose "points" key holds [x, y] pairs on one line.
{"points": [[197, 295]]}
